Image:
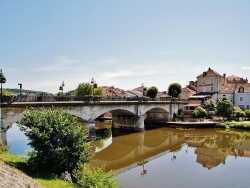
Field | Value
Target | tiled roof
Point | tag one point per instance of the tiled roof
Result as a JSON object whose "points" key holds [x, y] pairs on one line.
{"points": [[230, 88], [209, 73]]}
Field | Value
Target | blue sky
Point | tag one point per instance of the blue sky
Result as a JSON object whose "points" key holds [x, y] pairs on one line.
{"points": [[121, 43]]}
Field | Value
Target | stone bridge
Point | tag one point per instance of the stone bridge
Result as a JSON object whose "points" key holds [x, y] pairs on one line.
{"points": [[124, 113]]}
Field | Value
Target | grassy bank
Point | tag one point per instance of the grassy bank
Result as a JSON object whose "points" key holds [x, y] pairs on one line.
{"points": [[47, 180], [245, 125]]}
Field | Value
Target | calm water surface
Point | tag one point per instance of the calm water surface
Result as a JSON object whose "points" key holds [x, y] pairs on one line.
{"points": [[173, 158]]}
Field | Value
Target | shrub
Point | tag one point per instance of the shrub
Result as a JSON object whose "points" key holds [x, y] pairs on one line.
{"points": [[60, 143], [96, 178]]}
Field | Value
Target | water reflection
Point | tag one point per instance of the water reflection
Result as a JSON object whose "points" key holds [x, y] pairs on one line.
{"points": [[162, 157], [17, 141]]}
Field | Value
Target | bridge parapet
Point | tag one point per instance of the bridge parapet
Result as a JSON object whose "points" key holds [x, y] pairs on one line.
{"points": [[89, 111]]}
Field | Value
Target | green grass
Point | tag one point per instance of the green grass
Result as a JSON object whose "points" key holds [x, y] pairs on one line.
{"points": [[245, 125], [48, 180]]}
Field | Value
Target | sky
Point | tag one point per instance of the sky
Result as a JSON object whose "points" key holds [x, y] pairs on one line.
{"points": [[123, 43]]}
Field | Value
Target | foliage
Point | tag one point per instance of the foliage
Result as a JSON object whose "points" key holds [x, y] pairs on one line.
{"points": [[225, 107], [98, 91], [152, 92], [174, 90], [238, 112], [247, 113], [208, 105], [84, 89], [17, 91], [210, 114], [6, 93], [3, 147], [96, 178], [234, 124], [60, 143], [199, 112]]}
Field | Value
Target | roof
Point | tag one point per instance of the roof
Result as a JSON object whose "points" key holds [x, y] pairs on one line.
{"points": [[209, 73], [231, 88]]}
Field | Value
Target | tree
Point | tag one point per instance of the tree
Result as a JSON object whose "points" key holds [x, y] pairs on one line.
{"points": [[152, 92], [225, 107], [60, 143], [84, 89], [174, 90], [238, 112], [199, 112], [208, 105], [98, 91], [247, 112]]}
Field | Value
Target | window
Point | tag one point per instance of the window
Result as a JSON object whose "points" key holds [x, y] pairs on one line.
{"points": [[241, 89], [248, 106], [212, 88], [241, 98], [203, 81], [212, 81]]}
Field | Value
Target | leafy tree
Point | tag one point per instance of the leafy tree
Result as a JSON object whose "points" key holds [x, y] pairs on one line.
{"points": [[152, 92], [96, 178], [174, 90], [225, 107], [6, 93], [98, 91], [247, 112], [208, 105], [238, 112], [84, 89], [60, 143], [199, 112]]}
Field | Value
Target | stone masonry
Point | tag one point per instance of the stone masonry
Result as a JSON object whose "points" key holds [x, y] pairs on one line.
{"points": [[13, 178]]}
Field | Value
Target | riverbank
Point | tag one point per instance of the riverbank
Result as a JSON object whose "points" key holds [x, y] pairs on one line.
{"points": [[15, 171], [244, 125]]}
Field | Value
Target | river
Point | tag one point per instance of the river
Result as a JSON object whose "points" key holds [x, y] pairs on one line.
{"points": [[167, 157]]}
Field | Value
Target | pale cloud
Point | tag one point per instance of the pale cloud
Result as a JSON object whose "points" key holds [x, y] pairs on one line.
{"points": [[245, 67], [60, 63], [110, 60]]}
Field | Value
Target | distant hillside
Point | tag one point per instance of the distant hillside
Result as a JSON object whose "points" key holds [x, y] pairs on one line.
{"points": [[17, 91]]}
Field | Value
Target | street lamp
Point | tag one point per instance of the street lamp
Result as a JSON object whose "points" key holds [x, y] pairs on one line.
{"points": [[20, 85], [112, 88], [2, 81], [143, 90], [93, 82], [61, 87]]}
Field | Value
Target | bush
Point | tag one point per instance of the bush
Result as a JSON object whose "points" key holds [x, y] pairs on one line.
{"points": [[3, 147], [96, 178], [60, 143], [199, 112]]}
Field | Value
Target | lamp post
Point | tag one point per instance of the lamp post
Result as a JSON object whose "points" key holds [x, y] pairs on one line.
{"points": [[112, 89], [61, 87], [143, 90], [93, 82], [2, 81], [20, 93]]}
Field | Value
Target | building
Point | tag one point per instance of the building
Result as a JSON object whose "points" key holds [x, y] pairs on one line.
{"points": [[237, 90], [209, 83]]}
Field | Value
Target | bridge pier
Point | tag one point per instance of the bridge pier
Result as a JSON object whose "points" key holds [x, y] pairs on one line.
{"points": [[91, 129], [128, 121]]}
